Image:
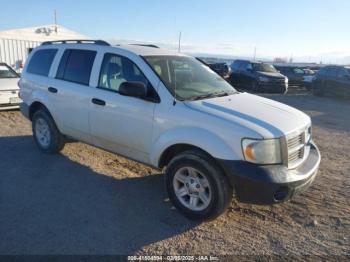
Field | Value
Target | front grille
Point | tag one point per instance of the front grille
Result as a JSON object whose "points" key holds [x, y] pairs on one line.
{"points": [[295, 141], [296, 145]]}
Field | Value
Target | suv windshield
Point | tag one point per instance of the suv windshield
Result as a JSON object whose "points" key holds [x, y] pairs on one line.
{"points": [[7, 72], [262, 67], [188, 78]]}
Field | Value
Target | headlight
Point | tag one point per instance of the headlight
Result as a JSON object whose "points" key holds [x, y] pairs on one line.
{"points": [[263, 79], [262, 151]]}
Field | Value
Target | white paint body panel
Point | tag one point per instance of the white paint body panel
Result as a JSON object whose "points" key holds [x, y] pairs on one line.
{"points": [[9, 93], [143, 130]]}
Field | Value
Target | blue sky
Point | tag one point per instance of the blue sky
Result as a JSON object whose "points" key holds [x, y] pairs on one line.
{"points": [[308, 29]]}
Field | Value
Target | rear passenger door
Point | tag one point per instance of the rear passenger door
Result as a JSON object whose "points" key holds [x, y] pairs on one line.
{"points": [[120, 123], [71, 91]]}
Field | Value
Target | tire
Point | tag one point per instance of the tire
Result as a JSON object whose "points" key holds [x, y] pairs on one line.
{"points": [[214, 187], [46, 134]]}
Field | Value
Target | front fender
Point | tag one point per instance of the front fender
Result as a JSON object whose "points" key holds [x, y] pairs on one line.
{"points": [[198, 137]]}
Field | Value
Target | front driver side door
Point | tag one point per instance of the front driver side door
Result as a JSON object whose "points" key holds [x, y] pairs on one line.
{"points": [[120, 123]]}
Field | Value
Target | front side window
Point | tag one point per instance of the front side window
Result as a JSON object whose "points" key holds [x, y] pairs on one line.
{"points": [[116, 70], [188, 79], [41, 61], [7, 72], [76, 66], [262, 67]]}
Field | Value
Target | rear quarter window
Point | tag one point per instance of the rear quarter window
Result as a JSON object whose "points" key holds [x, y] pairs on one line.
{"points": [[41, 61], [76, 65]]}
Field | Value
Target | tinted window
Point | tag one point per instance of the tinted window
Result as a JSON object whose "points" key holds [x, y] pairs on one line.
{"points": [[332, 72], [41, 61], [235, 65], [76, 66], [298, 71], [116, 70], [342, 73], [322, 71], [262, 67]]}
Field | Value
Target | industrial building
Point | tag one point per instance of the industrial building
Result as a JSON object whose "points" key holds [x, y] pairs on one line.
{"points": [[16, 44]]}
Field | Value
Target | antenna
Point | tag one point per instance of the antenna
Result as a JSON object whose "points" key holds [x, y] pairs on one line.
{"points": [[174, 102], [55, 17], [179, 47]]}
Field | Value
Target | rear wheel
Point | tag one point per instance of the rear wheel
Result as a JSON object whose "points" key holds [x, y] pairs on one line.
{"points": [[197, 186], [45, 132]]}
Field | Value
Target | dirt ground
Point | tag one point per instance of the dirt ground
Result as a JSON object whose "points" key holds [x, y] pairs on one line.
{"points": [[88, 201]]}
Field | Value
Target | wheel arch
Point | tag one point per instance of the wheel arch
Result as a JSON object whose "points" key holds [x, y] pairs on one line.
{"points": [[182, 139]]}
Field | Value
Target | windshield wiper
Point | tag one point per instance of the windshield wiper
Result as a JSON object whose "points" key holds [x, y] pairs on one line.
{"points": [[211, 95]]}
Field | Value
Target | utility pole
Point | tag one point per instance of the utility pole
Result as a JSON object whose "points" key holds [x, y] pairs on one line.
{"points": [[179, 47], [55, 18], [254, 56]]}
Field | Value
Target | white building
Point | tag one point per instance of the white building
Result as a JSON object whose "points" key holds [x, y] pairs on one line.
{"points": [[16, 44]]}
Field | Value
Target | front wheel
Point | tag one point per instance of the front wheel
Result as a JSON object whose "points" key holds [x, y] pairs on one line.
{"points": [[197, 186]]}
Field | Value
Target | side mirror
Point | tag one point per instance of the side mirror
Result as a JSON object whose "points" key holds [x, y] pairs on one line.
{"points": [[134, 89]]}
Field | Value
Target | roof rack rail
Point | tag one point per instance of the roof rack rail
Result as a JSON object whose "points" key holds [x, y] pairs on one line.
{"points": [[79, 41], [146, 45]]}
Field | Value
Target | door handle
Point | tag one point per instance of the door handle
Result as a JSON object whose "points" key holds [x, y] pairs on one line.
{"points": [[52, 90], [99, 102]]}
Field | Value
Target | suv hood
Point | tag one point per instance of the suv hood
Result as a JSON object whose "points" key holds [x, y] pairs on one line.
{"points": [[270, 74], [9, 83], [268, 118]]}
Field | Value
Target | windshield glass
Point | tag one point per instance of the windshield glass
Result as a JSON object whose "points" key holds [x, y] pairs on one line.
{"points": [[262, 67], [190, 78], [7, 72]]}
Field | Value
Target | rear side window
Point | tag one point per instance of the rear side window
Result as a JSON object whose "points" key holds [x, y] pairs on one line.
{"points": [[76, 66], [41, 61]]}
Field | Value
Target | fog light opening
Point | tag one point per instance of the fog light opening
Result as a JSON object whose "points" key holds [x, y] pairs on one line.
{"points": [[281, 194]]}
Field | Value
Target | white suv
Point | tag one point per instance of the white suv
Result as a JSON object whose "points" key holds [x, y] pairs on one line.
{"points": [[166, 109]]}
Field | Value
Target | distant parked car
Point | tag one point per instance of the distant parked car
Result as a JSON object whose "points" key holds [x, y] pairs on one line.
{"points": [[296, 75], [9, 89], [221, 69], [308, 78], [332, 80], [257, 77]]}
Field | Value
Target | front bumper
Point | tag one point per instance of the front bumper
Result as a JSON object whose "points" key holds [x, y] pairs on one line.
{"points": [[273, 87], [271, 184], [24, 110]]}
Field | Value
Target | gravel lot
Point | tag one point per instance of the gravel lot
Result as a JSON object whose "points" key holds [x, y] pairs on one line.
{"points": [[88, 201]]}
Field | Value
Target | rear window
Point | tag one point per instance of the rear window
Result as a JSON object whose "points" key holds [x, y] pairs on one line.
{"points": [[76, 66], [41, 61]]}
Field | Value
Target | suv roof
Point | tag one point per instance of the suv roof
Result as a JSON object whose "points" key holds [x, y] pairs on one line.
{"points": [[139, 49], [250, 61]]}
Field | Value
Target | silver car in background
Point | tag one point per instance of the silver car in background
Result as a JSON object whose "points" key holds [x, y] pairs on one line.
{"points": [[9, 90]]}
